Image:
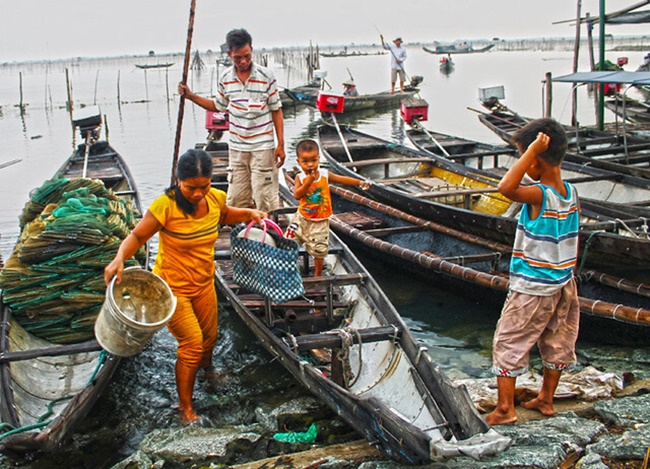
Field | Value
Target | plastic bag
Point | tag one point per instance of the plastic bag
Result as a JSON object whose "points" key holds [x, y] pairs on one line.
{"points": [[298, 437]]}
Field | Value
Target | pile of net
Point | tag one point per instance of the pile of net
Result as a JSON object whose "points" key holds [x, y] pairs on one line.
{"points": [[53, 281]]}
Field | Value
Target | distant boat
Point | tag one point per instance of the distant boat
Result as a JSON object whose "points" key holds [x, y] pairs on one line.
{"points": [[163, 65], [457, 48], [628, 108]]}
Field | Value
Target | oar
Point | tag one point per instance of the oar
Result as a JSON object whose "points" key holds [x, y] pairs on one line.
{"points": [[9, 163], [345, 145], [419, 127], [181, 105]]}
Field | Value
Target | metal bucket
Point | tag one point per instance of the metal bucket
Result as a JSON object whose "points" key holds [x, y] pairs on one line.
{"points": [[152, 303]]}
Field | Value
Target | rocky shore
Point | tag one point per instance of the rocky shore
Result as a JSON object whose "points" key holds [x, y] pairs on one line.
{"points": [[608, 433]]}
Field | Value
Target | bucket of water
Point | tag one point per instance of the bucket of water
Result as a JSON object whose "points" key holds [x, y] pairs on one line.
{"points": [[133, 311]]}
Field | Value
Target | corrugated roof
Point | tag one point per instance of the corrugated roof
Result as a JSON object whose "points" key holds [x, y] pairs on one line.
{"points": [[623, 77]]}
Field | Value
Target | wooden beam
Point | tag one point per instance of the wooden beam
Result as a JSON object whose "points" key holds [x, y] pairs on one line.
{"points": [[331, 340]]}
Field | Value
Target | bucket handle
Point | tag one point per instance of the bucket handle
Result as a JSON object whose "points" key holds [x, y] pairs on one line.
{"points": [[265, 222]]}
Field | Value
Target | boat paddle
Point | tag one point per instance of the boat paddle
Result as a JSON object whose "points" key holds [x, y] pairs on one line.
{"points": [[181, 105], [416, 125]]}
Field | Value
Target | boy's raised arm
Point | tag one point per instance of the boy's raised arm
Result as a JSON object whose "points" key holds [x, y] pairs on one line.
{"points": [[510, 186]]}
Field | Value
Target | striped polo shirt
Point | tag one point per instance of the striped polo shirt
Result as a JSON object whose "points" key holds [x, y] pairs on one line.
{"points": [[250, 105], [545, 250]]}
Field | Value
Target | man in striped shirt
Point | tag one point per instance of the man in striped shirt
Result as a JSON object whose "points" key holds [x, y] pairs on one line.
{"points": [[249, 93], [542, 306]]}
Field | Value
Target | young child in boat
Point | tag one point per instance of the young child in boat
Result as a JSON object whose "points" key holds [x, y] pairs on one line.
{"points": [[310, 224], [542, 305]]}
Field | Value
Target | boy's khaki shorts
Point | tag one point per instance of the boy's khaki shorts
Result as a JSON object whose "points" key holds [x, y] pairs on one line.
{"points": [[314, 235], [550, 321]]}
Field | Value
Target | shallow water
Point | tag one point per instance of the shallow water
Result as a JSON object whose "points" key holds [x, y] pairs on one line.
{"points": [[142, 126]]}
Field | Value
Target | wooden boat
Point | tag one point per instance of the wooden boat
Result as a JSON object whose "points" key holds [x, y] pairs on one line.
{"points": [[467, 199], [216, 125], [626, 155], [614, 310], [446, 65], [46, 389], [303, 94], [629, 109], [160, 65], [457, 48], [372, 371]]}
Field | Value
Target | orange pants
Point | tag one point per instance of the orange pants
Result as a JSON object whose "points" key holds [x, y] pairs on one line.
{"points": [[195, 324]]}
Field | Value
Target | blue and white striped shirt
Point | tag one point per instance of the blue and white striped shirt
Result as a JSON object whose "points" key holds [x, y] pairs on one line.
{"points": [[545, 250]]}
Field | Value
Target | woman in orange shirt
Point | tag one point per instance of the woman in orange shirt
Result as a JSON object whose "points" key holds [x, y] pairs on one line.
{"points": [[187, 218]]}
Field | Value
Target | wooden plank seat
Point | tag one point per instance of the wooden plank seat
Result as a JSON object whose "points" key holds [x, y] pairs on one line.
{"points": [[260, 303], [334, 340], [359, 220], [384, 232]]}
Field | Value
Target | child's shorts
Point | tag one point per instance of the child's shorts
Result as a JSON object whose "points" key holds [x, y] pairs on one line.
{"points": [[550, 321], [314, 235]]}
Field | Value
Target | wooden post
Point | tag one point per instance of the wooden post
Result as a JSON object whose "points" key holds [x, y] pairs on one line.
{"points": [[69, 90], [96, 81], [601, 63], [576, 52], [549, 94], [590, 37], [181, 105], [119, 98], [20, 85]]}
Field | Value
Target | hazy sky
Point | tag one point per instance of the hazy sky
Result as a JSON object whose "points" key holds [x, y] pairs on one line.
{"points": [[50, 29]]}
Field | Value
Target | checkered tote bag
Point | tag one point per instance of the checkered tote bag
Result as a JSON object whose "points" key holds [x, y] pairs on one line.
{"points": [[269, 270]]}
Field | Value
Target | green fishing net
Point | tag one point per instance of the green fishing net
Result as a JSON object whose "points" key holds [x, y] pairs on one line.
{"points": [[54, 279]]}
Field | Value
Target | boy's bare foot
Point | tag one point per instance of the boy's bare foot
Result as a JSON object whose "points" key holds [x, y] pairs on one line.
{"points": [[543, 407], [496, 417]]}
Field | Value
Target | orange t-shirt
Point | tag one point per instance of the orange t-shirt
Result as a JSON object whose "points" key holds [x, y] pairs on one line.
{"points": [[185, 257], [317, 202]]}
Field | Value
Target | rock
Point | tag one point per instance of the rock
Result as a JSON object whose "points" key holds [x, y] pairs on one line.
{"points": [[632, 444], [591, 461], [195, 444], [138, 460], [626, 411]]}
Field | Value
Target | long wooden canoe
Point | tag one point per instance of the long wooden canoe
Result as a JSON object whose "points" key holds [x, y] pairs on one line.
{"points": [[625, 155], [467, 199], [374, 374], [614, 310], [46, 389]]}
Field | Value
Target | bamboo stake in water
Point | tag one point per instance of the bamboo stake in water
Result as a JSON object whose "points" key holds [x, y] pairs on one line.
{"points": [[22, 106], [69, 90], [119, 99], [181, 105], [95, 95]]}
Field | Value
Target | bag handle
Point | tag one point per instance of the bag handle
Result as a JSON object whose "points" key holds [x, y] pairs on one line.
{"points": [[265, 223]]}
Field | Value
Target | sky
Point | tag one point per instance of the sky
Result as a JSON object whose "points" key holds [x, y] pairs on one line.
{"points": [[49, 29]]}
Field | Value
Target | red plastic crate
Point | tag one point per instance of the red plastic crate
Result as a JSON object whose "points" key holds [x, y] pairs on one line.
{"points": [[216, 120], [329, 101], [412, 109]]}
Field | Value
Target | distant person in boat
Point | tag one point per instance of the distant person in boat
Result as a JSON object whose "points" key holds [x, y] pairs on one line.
{"points": [[397, 58], [542, 306], [310, 224], [249, 93], [349, 88], [186, 219]]}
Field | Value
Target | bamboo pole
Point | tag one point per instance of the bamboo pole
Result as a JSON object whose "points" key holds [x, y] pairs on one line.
{"points": [[20, 86], [96, 81], [69, 91], [119, 98], [576, 53], [181, 105], [549, 94]]}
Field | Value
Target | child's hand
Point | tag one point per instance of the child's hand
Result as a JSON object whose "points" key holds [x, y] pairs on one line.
{"points": [[365, 185], [540, 144]]}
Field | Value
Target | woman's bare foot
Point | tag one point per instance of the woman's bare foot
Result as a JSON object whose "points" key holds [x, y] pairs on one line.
{"points": [[189, 417], [497, 417], [543, 407]]}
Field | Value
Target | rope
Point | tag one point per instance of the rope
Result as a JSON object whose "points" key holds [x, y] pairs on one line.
{"points": [[586, 250], [344, 355], [627, 228]]}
